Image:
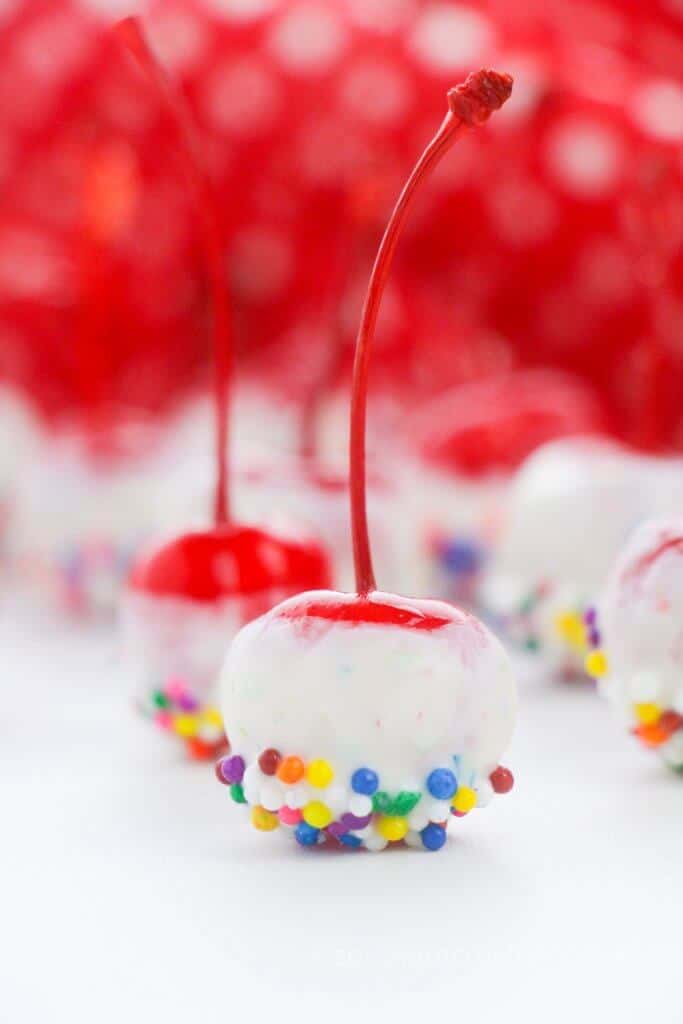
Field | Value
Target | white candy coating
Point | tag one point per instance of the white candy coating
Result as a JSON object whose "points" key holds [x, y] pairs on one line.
{"points": [[573, 505], [168, 637], [78, 520], [400, 701], [641, 621]]}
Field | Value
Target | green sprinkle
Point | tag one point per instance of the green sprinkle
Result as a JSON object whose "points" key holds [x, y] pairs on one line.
{"points": [[381, 802], [396, 806], [160, 700], [405, 802], [531, 643], [237, 793]]}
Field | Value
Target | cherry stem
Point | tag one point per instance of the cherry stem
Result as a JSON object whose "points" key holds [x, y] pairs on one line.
{"points": [[132, 35], [469, 104]]}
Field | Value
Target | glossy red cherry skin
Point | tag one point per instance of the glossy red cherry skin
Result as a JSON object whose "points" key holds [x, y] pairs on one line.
{"points": [[231, 561], [376, 609]]}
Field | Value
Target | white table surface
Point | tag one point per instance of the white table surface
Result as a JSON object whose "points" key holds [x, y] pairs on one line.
{"points": [[134, 890]]}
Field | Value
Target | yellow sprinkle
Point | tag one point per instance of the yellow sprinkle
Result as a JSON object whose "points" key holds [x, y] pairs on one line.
{"points": [[317, 814], [185, 726], [596, 664], [464, 800], [263, 819], [572, 629], [212, 716], [391, 828], [319, 773], [648, 714]]}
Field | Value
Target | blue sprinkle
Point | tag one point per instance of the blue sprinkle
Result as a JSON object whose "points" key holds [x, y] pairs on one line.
{"points": [[305, 834], [462, 557], [348, 840], [364, 781], [442, 784], [433, 836]]}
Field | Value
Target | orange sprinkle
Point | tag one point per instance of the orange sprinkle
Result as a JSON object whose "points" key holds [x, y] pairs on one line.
{"points": [[652, 735], [290, 770]]}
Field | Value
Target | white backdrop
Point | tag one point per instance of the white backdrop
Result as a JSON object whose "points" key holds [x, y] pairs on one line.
{"points": [[134, 890]]}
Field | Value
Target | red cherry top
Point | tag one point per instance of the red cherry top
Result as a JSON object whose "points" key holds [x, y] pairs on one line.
{"points": [[231, 561], [376, 609], [494, 424]]}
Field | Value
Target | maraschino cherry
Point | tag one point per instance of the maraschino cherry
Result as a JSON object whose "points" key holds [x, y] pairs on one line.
{"points": [[187, 599], [371, 718], [637, 651], [470, 441]]}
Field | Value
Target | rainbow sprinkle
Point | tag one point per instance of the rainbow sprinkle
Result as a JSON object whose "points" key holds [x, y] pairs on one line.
{"points": [[356, 812], [459, 562], [654, 725], [174, 709]]}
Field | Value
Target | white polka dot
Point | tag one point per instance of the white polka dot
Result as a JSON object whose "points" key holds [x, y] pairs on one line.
{"points": [[241, 10], [658, 110], [242, 98], [375, 92], [604, 272], [523, 213], [261, 263], [8, 8], [54, 46], [530, 83], [448, 36], [381, 15], [321, 157], [308, 39], [178, 37], [107, 9], [585, 157], [31, 264]]}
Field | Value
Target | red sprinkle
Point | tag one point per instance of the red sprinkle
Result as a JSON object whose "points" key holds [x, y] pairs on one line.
{"points": [[269, 761], [671, 722], [502, 779], [199, 750]]}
